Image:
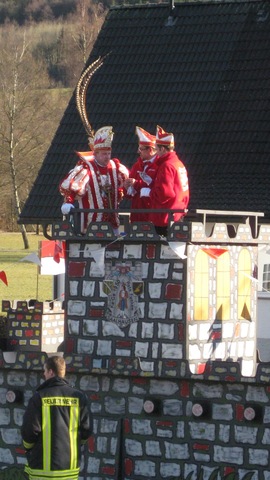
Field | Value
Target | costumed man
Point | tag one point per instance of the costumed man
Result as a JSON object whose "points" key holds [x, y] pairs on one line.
{"points": [[170, 188], [141, 175], [96, 182]]}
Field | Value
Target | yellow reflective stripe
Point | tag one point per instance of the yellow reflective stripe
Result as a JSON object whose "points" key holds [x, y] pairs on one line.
{"points": [[28, 445], [64, 475], [46, 436], [74, 405], [73, 435]]}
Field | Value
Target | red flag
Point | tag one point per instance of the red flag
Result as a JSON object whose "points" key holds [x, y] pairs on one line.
{"points": [[57, 251], [3, 277], [214, 252]]}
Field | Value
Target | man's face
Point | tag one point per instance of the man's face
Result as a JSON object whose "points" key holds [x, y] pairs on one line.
{"points": [[103, 156], [161, 150], [146, 152]]}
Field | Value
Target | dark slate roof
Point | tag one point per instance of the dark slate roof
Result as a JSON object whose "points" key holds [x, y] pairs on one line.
{"points": [[201, 71]]}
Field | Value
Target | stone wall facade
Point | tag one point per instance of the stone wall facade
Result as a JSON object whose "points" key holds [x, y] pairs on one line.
{"points": [[162, 323], [165, 403], [176, 441], [34, 326]]}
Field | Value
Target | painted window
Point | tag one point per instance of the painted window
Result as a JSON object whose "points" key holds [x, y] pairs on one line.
{"points": [[266, 277], [244, 285], [223, 305], [222, 293], [201, 297]]}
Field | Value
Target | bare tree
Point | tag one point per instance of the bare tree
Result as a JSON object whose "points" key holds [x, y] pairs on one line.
{"points": [[82, 39], [26, 120], [86, 24]]}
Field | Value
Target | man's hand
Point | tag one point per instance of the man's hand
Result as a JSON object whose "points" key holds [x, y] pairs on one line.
{"points": [[129, 182]]}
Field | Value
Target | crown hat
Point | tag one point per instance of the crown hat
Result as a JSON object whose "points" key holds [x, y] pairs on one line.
{"points": [[145, 138], [164, 138], [103, 138]]}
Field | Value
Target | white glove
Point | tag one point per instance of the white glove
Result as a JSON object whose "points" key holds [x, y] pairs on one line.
{"points": [[131, 191], [66, 207], [145, 192], [145, 178]]}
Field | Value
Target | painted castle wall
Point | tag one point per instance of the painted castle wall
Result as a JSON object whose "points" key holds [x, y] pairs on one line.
{"points": [[172, 442], [173, 393], [34, 326]]}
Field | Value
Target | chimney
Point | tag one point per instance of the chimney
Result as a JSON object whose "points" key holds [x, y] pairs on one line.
{"points": [[170, 20]]}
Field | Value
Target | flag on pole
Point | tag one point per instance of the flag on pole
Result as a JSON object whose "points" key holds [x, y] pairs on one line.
{"points": [[52, 257]]}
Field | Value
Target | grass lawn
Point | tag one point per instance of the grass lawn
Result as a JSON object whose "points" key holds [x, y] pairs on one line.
{"points": [[24, 280]]}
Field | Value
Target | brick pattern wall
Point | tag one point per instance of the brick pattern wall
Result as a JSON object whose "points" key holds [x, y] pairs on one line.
{"points": [[172, 442], [159, 331], [206, 425], [34, 327]]}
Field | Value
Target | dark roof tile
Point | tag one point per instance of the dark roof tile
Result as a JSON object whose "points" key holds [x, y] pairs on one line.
{"points": [[202, 74]]}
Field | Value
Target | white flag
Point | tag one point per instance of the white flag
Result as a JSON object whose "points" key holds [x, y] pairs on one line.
{"points": [[179, 248], [250, 277], [32, 258], [99, 256]]}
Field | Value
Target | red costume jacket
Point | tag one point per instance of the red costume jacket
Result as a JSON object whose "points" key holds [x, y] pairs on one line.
{"points": [[170, 189], [94, 186], [143, 172]]}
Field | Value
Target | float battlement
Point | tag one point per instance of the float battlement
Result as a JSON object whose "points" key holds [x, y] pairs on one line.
{"points": [[33, 325], [32, 306]]}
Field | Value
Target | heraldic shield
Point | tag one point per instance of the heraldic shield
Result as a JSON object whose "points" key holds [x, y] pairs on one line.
{"points": [[123, 284]]}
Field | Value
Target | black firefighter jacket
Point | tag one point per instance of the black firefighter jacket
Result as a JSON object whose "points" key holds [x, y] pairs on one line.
{"points": [[57, 421]]}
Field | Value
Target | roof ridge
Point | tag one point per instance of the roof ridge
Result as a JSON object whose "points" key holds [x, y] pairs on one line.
{"points": [[186, 2]]}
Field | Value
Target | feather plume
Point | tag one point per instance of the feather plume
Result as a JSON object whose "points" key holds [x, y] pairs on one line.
{"points": [[81, 91]]}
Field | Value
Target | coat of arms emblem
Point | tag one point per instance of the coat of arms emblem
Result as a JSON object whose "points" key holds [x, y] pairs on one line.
{"points": [[123, 285]]}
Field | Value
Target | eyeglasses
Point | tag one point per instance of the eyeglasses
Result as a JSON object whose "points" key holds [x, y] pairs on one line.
{"points": [[142, 149]]}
